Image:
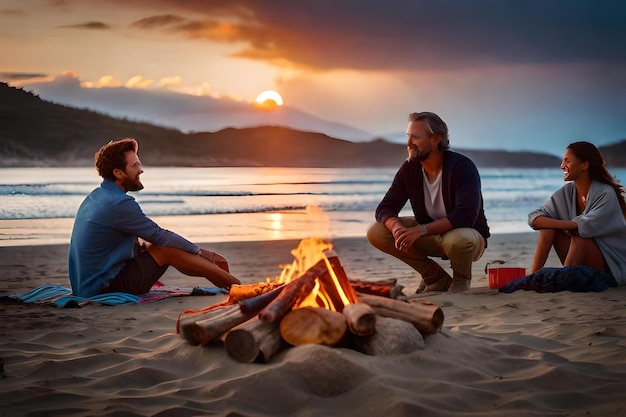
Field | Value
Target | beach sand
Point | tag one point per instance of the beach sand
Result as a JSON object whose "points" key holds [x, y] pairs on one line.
{"points": [[519, 354]]}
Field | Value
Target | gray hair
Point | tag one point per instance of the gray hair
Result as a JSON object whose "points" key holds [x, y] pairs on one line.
{"points": [[435, 126]]}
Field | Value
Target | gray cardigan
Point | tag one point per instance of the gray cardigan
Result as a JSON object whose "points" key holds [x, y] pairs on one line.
{"points": [[602, 219]]}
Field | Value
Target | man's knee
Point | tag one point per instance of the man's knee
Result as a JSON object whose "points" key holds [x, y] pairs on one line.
{"points": [[377, 233], [460, 242]]}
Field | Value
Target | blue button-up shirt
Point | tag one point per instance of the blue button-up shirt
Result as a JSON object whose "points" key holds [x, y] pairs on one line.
{"points": [[105, 231]]}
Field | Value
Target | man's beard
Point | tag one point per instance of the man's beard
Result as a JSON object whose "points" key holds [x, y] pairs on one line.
{"points": [[416, 155], [132, 184]]}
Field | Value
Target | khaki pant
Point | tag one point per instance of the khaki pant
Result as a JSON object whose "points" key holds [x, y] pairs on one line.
{"points": [[461, 246]]}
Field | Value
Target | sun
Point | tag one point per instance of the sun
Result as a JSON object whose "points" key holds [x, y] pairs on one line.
{"points": [[269, 99]]}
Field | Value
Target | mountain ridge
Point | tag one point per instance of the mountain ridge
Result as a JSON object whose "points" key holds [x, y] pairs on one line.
{"points": [[185, 112], [35, 132]]}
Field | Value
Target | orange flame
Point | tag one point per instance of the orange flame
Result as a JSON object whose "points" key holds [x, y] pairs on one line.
{"points": [[309, 252], [332, 292]]}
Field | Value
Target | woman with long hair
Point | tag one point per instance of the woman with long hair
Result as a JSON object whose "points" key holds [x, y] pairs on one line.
{"points": [[585, 220]]}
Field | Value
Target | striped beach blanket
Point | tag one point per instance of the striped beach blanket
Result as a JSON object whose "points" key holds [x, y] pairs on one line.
{"points": [[61, 296]]}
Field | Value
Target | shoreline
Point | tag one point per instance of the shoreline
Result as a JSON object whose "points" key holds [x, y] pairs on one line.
{"points": [[219, 228], [358, 257]]}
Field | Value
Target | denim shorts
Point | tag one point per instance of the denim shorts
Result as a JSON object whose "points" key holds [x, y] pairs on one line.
{"points": [[138, 276]]}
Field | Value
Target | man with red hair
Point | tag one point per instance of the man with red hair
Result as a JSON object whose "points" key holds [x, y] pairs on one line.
{"points": [[105, 254]]}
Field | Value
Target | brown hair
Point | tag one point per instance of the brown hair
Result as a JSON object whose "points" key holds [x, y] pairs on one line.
{"points": [[587, 152], [435, 126], [113, 156]]}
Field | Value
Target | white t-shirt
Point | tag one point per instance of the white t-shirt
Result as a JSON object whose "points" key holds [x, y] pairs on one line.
{"points": [[433, 198]]}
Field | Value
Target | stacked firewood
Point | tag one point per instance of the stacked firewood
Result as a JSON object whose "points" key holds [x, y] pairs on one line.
{"points": [[259, 320]]}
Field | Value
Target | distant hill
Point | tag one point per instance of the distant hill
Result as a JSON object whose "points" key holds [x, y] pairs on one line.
{"points": [[34, 132], [185, 112], [615, 154]]}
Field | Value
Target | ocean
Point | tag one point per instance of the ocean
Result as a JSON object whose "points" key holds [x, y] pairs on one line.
{"points": [[242, 204]]}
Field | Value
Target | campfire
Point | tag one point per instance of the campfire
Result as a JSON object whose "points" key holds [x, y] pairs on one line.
{"points": [[312, 301]]}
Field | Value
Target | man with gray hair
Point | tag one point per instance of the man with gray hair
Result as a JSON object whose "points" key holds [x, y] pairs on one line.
{"points": [[448, 218]]}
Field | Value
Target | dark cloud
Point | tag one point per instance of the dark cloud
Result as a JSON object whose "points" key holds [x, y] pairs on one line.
{"points": [[89, 25], [19, 76], [157, 22], [406, 34], [192, 28], [200, 28], [12, 12]]}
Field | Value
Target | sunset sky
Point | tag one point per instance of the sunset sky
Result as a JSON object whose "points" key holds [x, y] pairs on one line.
{"points": [[533, 74]]}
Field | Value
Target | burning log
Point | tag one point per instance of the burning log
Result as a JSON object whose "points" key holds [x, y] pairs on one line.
{"points": [[239, 292], [212, 325], [292, 293], [393, 336], [317, 305], [186, 324], [200, 329], [253, 340], [335, 287], [361, 319], [313, 325], [236, 293], [426, 316], [342, 278], [331, 293], [255, 304], [385, 288], [389, 282]]}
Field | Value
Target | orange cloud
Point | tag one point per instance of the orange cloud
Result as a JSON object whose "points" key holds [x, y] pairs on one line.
{"points": [[107, 81], [170, 81], [138, 82]]}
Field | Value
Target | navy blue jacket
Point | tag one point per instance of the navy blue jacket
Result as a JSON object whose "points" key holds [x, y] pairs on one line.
{"points": [[460, 186]]}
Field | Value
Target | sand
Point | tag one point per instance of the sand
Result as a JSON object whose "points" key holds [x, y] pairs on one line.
{"points": [[519, 354]]}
